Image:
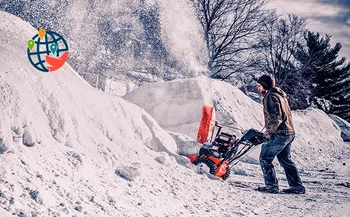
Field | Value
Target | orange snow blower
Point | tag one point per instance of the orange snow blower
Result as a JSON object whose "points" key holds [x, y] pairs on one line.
{"points": [[218, 155]]}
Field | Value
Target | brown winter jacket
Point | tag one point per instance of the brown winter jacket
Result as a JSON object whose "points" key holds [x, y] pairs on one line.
{"points": [[278, 117]]}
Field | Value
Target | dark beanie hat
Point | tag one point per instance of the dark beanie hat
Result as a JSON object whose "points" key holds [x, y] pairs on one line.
{"points": [[267, 81]]}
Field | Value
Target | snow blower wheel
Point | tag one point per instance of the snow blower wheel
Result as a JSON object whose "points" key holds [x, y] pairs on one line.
{"points": [[227, 174], [206, 165]]}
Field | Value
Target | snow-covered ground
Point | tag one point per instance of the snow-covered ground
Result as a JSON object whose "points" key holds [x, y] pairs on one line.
{"points": [[70, 150]]}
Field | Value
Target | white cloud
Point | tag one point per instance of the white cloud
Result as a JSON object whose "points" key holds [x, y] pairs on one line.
{"points": [[305, 8], [313, 11]]}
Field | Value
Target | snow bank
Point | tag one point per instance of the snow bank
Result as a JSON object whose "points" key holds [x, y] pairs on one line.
{"points": [[37, 105], [59, 135], [344, 127], [177, 105]]}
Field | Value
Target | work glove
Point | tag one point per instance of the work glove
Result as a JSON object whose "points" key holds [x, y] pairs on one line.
{"points": [[267, 135]]}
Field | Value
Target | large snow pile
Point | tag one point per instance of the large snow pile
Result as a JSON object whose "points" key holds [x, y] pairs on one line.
{"points": [[65, 144], [177, 105], [69, 150]]}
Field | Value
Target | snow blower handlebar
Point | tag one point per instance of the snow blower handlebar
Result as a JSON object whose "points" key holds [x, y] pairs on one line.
{"points": [[217, 124], [249, 141]]}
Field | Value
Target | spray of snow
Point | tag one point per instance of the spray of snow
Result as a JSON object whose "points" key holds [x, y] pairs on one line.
{"points": [[183, 34], [180, 29]]}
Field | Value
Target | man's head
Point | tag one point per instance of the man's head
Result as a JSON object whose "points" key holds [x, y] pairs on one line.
{"points": [[265, 83]]}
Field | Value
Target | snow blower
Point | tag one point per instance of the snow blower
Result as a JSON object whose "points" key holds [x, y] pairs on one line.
{"points": [[218, 155]]}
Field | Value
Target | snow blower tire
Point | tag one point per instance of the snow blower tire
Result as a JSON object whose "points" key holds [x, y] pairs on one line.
{"points": [[227, 174], [209, 163]]}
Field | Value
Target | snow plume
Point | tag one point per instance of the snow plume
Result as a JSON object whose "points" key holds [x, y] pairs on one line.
{"points": [[88, 47], [183, 34], [180, 32], [138, 40]]}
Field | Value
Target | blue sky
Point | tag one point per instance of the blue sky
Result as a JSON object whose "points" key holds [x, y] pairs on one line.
{"points": [[330, 17]]}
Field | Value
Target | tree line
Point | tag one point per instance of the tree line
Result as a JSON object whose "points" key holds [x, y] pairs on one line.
{"points": [[245, 40]]}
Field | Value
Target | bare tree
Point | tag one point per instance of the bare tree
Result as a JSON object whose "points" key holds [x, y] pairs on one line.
{"points": [[277, 46], [231, 30], [275, 55]]}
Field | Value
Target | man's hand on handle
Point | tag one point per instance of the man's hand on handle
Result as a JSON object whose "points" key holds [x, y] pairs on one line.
{"points": [[267, 135]]}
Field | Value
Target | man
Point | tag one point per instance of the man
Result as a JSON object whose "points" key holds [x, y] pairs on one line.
{"points": [[279, 137]]}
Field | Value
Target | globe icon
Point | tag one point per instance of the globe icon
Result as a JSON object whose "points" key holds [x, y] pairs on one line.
{"points": [[47, 51]]}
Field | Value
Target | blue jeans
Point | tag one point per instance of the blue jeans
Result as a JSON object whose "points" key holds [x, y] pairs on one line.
{"points": [[279, 146]]}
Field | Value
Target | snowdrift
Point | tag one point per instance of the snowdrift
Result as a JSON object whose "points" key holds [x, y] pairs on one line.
{"points": [[38, 107], [65, 144], [344, 127], [177, 105]]}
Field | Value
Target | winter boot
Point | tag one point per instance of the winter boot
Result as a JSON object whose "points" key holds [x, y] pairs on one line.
{"points": [[294, 190], [272, 190]]}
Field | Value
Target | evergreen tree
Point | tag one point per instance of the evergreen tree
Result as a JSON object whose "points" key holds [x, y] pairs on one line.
{"points": [[327, 78]]}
